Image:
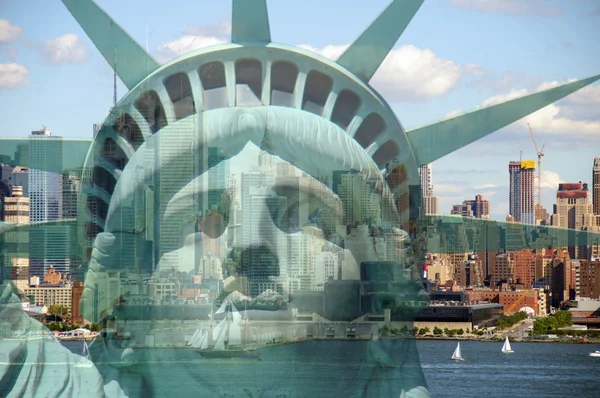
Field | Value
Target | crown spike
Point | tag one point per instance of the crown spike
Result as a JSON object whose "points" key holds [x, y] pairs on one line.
{"points": [[112, 42], [436, 140], [250, 22], [370, 49], [488, 235], [74, 151]]}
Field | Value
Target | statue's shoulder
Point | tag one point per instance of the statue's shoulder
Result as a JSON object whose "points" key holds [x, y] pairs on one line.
{"points": [[34, 362]]}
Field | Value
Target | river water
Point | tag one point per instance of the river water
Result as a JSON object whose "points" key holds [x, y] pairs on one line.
{"points": [[533, 370]]}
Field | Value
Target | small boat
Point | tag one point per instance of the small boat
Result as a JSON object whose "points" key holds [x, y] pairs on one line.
{"points": [[457, 356], [506, 349], [595, 353], [85, 361]]}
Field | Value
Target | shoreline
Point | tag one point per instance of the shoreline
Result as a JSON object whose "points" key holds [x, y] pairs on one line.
{"points": [[421, 338], [501, 339]]}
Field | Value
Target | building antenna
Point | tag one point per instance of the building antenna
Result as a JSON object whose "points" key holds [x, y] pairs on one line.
{"points": [[115, 80]]}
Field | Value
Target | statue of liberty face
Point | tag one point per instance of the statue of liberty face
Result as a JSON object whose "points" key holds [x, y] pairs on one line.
{"points": [[285, 224]]}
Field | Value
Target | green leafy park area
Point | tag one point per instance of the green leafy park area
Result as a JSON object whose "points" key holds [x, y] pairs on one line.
{"points": [[551, 324], [385, 331], [508, 321]]}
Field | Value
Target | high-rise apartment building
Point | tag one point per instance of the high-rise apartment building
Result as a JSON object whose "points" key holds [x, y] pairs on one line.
{"points": [[17, 211], [589, 275], [525, 267], [521, 191], [573, 210], [479, 208], [431, 204], [596, 185], [514, 169], [462, 210], [20, 176], [503, 270], [5, 184]]}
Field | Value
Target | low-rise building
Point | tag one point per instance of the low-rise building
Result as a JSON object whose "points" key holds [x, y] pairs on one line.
{"points": [[47, 295]]}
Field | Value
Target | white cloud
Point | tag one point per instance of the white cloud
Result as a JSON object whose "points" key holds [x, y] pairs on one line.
{"points": [[194, 38], [8, 32], [550, 179], [410, 73], [474, 69], [185, 44], [64, 49], [487, 186], [449, 190], [331, 51], [510, 7], [13, 75]]}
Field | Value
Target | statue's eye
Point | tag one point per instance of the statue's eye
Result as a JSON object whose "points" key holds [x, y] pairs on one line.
{"points": [[286, 213]]}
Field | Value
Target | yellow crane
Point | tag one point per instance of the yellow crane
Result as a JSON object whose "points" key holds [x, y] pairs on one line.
{"points": [[540, 153]]}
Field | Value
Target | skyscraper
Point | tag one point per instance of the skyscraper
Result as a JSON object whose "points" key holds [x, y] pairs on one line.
{"points": [[362, 202], [431, 203], [46, 203], [573, 210], [17, 211], [521, 191], [426, 180], [596, 185]]}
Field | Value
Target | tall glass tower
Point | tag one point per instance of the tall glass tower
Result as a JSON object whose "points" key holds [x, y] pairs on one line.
{"points": [[46, 202]]}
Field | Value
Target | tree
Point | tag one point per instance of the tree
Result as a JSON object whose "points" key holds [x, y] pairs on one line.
{"points": [[563, 318], [460, 332], [384, 331], [446, 331], [61, 311], [437, 331]]}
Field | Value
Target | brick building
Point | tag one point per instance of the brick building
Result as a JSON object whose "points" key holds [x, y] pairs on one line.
{"points": [[525, 262], [589, 278]]}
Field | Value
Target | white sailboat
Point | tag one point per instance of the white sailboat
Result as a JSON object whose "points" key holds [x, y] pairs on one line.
{"points": [[506, 349], [227, 338], [85, 361], [199, 340], [194, 337], [457, 356]]}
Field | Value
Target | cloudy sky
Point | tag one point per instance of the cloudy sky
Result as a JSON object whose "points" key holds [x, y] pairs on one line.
{"points": [[456, 55]]}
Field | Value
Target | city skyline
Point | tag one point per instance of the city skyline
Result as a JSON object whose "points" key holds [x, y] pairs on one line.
{"points": [[174, 236], [560, 50]]}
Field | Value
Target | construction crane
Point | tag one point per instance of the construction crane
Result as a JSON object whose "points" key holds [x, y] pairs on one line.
{"points": [[540, 153]]}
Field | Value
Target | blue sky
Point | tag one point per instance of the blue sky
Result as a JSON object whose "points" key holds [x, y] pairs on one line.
{"points": [[50, 73]]}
